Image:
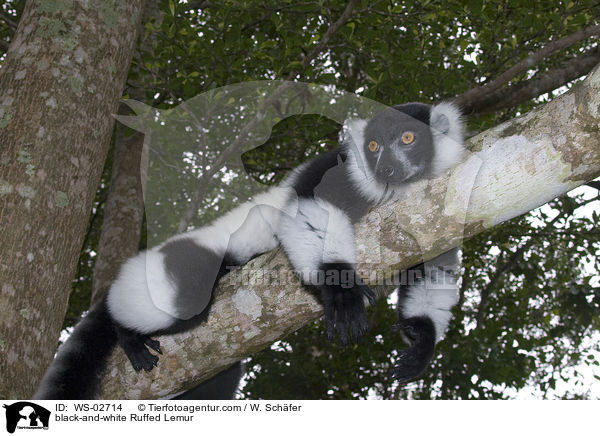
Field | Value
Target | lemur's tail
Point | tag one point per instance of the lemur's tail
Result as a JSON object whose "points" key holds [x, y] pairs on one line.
{"points": [[75, 372]]}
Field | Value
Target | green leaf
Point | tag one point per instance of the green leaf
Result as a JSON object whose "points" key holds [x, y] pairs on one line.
{"points": [[268, 44]]}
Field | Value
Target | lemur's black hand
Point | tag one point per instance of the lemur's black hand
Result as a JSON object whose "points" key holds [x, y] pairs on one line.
{"points": [[345, 311], [412, 361]]}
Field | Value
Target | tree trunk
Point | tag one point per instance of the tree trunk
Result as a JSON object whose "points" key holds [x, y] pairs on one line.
{"points": [[124, 208], [59, 86], [514, 167]]}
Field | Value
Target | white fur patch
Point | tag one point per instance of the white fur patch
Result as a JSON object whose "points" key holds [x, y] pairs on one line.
{"points": [[248, 229], [436, 294], [313, 232], [448, 137], [129, 299]]}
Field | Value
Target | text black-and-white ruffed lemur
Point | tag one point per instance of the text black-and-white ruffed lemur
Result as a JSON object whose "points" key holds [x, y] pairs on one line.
{"points": [[311, 214]]}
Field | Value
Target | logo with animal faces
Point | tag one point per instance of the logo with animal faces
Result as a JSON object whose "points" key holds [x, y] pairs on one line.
{"points": [[26, 415]]}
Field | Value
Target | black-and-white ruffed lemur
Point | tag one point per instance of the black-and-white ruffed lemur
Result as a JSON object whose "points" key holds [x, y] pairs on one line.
{"points": [[159, 289]]}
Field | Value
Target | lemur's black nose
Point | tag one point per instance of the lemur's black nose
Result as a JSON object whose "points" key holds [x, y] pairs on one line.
{"points": [[385, 171]]}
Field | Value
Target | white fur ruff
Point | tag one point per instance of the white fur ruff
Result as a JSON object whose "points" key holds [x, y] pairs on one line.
{"points": [[449, 145], [361, 175]]}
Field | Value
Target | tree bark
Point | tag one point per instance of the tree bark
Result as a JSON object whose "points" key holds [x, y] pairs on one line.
{"points": [[60, 83], [124, 208], [513, 168]]}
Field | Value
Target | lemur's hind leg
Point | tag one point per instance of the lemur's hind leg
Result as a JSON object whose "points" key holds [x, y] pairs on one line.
{"points": [[419, 333], [135, 345], [424, 307], [157, 290]]}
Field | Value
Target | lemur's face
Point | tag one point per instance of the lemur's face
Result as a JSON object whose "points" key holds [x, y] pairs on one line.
{"points": [[398, 146]]}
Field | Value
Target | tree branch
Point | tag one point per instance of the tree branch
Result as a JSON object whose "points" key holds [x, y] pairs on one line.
{"points": [[478, 93], [327, 36], [513, 168], [539, 84], [9, 20], [124, 209], [62, 198], [4, 45]]}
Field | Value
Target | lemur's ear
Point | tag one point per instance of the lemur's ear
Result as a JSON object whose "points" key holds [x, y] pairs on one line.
{"points": [[448, 137], [446, 120]]}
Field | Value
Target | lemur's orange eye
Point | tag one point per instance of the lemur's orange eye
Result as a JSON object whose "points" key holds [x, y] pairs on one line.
{"points": [[408, 137], [373, 146]]}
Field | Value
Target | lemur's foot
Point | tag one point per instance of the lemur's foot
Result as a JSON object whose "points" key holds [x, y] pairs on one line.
{"points": [[136, 347], [419, 332], [345, 311]]}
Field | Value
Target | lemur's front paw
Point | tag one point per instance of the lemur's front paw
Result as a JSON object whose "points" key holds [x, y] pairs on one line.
{"points": [[345, 311], [419, 332]]}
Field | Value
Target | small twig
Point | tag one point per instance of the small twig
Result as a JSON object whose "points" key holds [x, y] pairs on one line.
{"points": [[325, 40], [514, 257]]}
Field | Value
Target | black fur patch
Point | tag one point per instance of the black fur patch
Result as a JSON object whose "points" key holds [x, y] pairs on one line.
{"points": [[414, 360], [221, 387], [194, 270], [74, 374], [181, 325], [326, 177], [418, 111]]}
